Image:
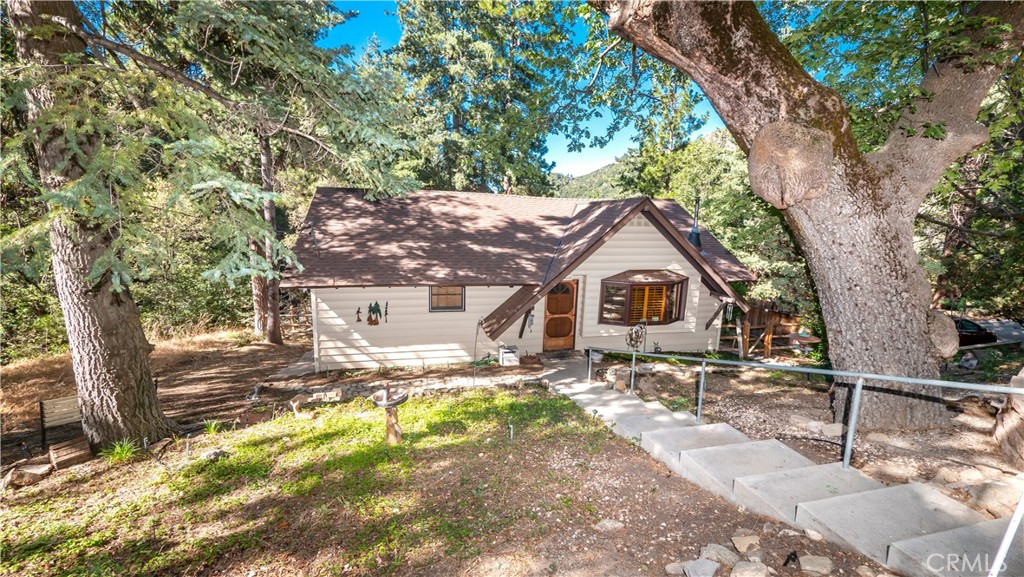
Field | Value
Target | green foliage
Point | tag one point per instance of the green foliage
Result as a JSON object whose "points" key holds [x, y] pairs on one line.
{"points": [[970, 235], [123, 451], [170, 173], [212, 427], [875, 54], [602, 183], [489, 81]]}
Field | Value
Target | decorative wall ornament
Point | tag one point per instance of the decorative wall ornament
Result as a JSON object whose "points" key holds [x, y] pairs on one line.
{"points": [[385, 312], [373, 313], [359, 311]]}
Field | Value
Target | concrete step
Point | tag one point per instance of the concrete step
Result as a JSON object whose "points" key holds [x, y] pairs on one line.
{"points": [[666, 444], [777, 494], [962, 552], [871, 521], [635, 425], [715, 468]]}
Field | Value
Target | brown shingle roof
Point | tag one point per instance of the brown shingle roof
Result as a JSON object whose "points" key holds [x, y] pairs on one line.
{"points": [[713, 251], [442, 237]]}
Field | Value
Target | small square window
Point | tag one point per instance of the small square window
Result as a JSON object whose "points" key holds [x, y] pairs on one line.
{"points": [[447, 298]]}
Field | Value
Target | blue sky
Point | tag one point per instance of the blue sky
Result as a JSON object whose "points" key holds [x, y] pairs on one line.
{"points": [[378, 20]]}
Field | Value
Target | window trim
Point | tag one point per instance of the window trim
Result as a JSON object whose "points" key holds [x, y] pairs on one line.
{"points": [[683, 286], [430, 299]]}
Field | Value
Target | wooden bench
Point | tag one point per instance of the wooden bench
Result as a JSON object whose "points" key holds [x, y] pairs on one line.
{"points": [[56, 412]]}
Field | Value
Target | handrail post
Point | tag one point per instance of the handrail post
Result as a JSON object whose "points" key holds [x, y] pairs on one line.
{"points": [[851, 427], [632, 375], [1004, 545], [700, 391], [590, 362]]}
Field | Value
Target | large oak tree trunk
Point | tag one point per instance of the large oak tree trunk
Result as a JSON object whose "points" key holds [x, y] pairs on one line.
{"points": [[852, 213], [109, 351]]}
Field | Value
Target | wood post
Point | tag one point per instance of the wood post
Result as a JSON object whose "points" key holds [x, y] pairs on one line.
{"points": [[394, 434], [768, 332]]}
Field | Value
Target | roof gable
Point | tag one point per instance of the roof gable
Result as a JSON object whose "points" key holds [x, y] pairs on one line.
{"points": [[570, 254]]}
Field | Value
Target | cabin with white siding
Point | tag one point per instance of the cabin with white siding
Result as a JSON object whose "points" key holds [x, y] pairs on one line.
{"points": [[441, 277]]}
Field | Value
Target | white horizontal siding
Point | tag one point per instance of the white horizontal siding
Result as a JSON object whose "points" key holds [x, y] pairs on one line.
{"points": [[413, 335], [640, 246]]}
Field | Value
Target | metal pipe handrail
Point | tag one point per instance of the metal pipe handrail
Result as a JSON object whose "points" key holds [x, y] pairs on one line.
{"points": [[851, 430], [830, 372]]}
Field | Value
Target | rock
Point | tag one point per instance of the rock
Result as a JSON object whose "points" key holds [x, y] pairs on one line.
{"points": [[800, 420], [215, 455], [746, 542], [676, 568], [971, 476], [865, 571], [26, 475], [814, 426], [756, 555], [719, 553], [989, 472], [946, 476], [815, 565], [700, 568], [768, 528], [609, 526], [833, 430], [743, 532], [749, 569], [789, 533], [813, 535], [996, 497], [969, 361], [878, 437]]}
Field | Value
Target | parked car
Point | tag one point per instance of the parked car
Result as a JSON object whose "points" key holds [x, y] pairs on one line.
{"points": [[971, 333]]}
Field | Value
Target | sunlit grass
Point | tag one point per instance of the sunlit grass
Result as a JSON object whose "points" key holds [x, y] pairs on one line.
{"points": [[330, 482]]}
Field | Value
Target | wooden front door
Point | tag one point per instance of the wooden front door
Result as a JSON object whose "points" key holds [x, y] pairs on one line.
{"points": [[560, 317]]}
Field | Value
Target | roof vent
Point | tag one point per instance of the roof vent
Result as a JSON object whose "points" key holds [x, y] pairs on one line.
{"points": [[694, 237]]}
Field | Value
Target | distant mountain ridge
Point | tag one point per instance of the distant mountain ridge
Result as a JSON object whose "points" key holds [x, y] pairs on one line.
{"points": [[602, 183]]}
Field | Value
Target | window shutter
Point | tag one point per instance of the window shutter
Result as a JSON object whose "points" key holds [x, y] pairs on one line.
{"points": [[648, 302]]}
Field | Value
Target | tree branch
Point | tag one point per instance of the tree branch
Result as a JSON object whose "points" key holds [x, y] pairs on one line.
{"points": [[310, 138], [962, 229], [600, 63], [956, 88], [146, 61]]}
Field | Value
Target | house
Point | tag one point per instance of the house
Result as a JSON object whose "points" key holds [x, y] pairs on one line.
{"points": [[441, 277]]}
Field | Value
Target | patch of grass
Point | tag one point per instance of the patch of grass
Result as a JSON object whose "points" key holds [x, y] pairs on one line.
{"points": [[123, 451], [212, 427], [456, 483], [243, 338], [682, 404]]}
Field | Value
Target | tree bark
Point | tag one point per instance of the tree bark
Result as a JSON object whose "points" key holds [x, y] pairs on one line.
{"points": [[272, 302], [109, 350], [851, 213]]}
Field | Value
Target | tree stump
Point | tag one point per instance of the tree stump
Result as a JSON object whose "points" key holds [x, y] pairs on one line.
{"points": [[1009, 428], [394, 434]]}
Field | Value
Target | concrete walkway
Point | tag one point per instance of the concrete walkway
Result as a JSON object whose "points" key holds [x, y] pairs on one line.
{"points": [[913, 529], [300, 368]]}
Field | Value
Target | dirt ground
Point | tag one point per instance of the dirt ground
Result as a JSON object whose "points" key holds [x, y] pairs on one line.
{"points": [[665, 519], [199, 378]]}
